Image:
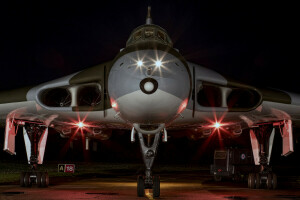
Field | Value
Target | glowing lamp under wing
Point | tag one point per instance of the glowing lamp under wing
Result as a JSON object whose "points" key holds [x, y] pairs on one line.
{"points": [[80, 124], [217, 125]]}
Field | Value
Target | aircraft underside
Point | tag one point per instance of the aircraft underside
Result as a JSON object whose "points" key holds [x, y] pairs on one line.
{"points": [[262, 132]]}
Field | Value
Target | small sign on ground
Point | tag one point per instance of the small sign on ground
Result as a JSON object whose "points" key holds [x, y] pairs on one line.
{"points": [[66, 168]]}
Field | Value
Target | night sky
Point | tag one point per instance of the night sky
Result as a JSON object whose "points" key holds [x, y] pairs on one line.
{"points": [[253, 42]]}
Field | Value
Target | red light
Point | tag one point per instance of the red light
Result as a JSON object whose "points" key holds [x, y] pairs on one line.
{"points": [[114, 104], [182, 106], [80, 124], [217, 125]]}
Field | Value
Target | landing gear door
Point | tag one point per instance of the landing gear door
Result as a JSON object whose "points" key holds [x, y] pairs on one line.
{"points": [[287, 138], [255, 147], [42, 146], [10, 134]]}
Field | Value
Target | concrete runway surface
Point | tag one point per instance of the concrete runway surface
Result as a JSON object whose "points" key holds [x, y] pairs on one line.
{"points": [[185, 185]]}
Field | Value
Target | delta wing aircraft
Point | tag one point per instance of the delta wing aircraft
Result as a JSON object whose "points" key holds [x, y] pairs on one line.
{"points": [[148, 88]]}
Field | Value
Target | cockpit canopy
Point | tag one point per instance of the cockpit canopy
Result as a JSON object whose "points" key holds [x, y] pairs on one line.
{"points": [[149, 33]]}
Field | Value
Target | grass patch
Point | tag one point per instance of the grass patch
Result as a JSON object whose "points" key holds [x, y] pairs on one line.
{"points": [[7, 178], [10, 172]]}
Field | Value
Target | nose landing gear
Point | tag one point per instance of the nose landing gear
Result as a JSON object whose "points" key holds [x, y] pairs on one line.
{"points": [[149, 152]]}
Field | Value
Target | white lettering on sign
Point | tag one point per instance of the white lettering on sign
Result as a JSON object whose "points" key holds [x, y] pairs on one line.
{"points": [[67, 168]]}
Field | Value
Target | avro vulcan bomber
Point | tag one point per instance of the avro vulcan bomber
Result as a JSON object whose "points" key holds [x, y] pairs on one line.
{"points": [[150, 89]]}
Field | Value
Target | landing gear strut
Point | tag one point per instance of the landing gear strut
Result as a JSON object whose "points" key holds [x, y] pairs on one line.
{"points": [[262, 141], [148, 181], [35, 137]]}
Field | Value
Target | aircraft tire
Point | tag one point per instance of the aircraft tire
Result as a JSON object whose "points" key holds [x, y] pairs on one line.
{"points": [[22, 176], [140, 186], [274, 181], [47, 179], [39, 179], [156, 186], [44, 179], [257, 181], [27, 181], [269, 181], [251, 181]]}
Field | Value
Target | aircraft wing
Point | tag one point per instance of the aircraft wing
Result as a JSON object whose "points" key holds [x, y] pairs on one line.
{"points": [[64, 102], [83, 96], [233, 105]]}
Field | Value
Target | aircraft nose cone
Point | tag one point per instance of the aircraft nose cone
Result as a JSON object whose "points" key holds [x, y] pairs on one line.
{"points": [[148, 85]]}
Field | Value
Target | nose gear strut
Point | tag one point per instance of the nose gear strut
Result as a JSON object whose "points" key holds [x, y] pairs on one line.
{"points": [[149, 152]]}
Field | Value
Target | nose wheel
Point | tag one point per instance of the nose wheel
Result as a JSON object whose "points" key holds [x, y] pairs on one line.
{"points": [[140, 186], [155, 186]]}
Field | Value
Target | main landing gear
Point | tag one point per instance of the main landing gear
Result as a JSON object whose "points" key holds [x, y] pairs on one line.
{"points": [[262, 138], [35, 137], [148, 181], [41, 179], [259, 180]]}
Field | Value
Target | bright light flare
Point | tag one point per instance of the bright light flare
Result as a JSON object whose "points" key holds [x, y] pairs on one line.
{"points": [[140, 63], [113, 104], [80, 124], [182, 106], [217, 125], [158, 63]]}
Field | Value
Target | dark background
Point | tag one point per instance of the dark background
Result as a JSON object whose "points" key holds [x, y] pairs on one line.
{"points": [[252, 42]]}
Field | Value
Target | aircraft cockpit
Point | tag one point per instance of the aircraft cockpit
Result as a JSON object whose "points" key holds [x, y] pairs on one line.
{"points": [[149, 33]]}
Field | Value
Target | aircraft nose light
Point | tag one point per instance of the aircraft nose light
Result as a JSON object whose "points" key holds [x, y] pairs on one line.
{"points": [[139, 63], [148, 85], [158, 63]]}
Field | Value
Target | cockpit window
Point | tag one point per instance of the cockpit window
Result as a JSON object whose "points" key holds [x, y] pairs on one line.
{"points": [[160, 35], [149, 33], [137, 35]]}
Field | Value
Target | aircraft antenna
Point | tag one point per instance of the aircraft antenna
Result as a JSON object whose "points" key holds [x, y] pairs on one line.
{"points": [[149, 18]]}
